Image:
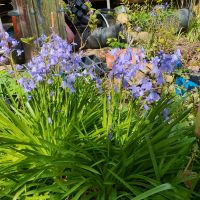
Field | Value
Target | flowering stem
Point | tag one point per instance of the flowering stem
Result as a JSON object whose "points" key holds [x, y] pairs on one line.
{"points": [[13, 65]]}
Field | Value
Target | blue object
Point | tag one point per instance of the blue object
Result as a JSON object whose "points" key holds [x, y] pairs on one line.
{"points": [[179, 64], [186, 85]]}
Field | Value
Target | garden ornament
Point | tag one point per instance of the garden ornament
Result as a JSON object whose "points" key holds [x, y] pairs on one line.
{"points": [[99, 36], [87, 38], [186, 85], [184, 16]]}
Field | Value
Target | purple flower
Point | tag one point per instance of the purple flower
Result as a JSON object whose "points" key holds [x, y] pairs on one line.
{"points": [[177, 52], [38, 78], [14, 43], [50, 121], [30, 86], [21, 81], [98, 84], [91, 12], [114, 52], [160, 79], [19, 52], [146, 84], [166, 64], [52, 93], [155, 63], [29, 97], [49, 81], [110, 136], [127, 56], [2, 59], [115, 89], [152, 97], [27, 84], [19, 67], [64, 85], [165, 114], [44, 51], [10, 71], [146, 107], [53, 60], [71, 78], [135, 91], [72, 90]]}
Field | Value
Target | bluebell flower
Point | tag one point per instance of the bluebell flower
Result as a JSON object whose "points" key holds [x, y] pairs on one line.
{"points": [[165, 114], [29, 97], [64, 85], [135, 91], [155, 64], [115, 89], [10, 71], [110, 136], [146, 84], [146, 107], [50, 121], [14, 43], [52, 93], [49, 81], [2, 59], [152, 97], [166, 64], [160, 79], [19, 67]]}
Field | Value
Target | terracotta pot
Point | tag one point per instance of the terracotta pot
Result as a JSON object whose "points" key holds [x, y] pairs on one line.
{"points": [[110, 59], [70, 34]]}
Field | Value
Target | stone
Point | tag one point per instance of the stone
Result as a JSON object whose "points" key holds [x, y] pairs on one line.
{"points": [[140, 36], [122, 18]]}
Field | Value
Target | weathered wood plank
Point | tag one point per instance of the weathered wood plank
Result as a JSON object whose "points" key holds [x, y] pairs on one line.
{"points": [[35, 17]]}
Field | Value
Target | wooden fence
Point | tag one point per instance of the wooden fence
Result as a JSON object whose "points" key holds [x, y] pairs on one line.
{"points": [[35, 17]]}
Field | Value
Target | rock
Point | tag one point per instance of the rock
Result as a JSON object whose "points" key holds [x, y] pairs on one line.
{"points": [[141, 36], [122, 18], [184, 16], [169, 78], [181, 19], [194, 69]]}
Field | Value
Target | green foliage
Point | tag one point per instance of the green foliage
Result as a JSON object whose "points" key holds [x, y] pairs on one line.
{"points": [[9, 89], [28, 41], [93, 148], [117, 43], [140, 18], [92, 24], [159, 22], [194, 30]]}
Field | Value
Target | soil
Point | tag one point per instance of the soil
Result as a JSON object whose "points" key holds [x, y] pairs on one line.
{"points": [[190, 52]]}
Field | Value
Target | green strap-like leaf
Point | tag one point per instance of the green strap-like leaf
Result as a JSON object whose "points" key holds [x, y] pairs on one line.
{"points": [[153, 191]]}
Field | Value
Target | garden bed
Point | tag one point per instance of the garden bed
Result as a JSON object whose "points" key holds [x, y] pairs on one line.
{"points": [[102, 124]]}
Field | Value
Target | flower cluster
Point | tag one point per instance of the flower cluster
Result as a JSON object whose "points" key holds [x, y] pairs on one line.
{"points": [[129, 64], [55, 59], [7, 44]]}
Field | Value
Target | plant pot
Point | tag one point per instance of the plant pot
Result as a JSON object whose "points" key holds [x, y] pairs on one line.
{"points": [[70, 34]]}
